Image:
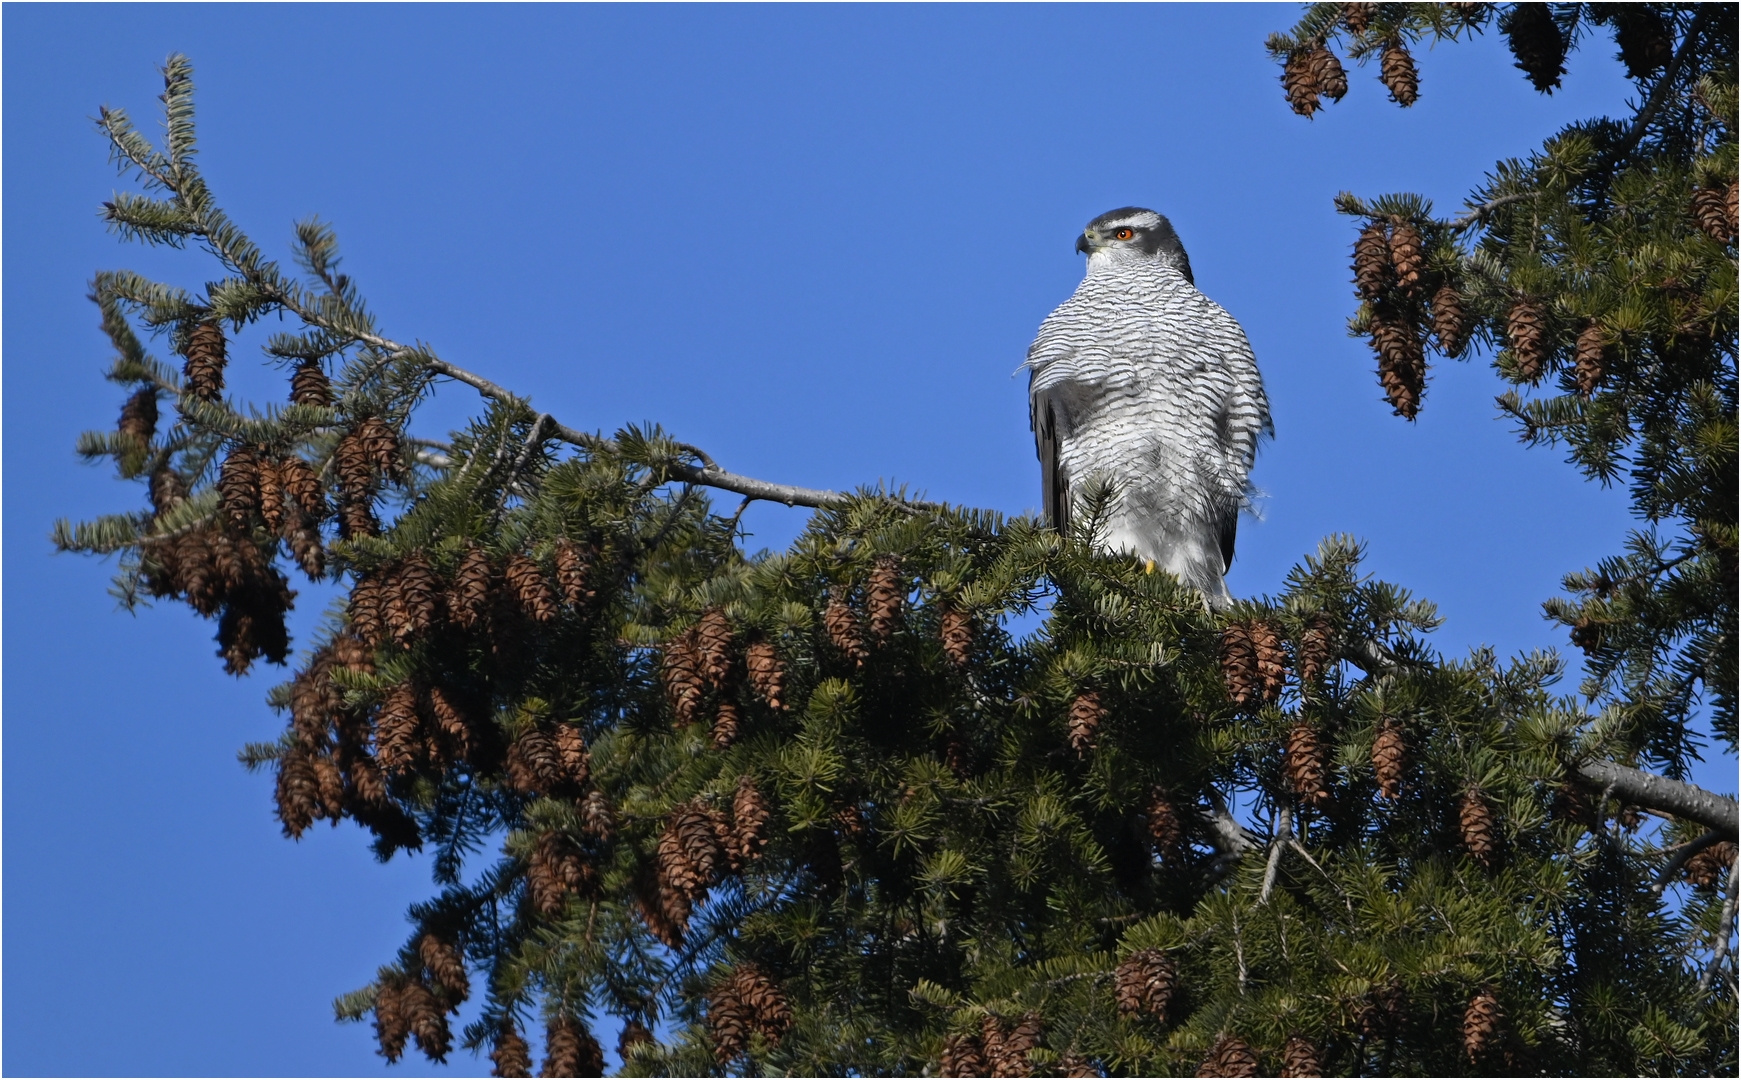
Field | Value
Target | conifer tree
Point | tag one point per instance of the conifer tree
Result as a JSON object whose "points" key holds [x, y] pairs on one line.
{"points": [[819, 812]]}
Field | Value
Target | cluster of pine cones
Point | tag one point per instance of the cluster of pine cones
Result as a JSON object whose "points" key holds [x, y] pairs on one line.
{"points": [[415, 1004], [745, 1001], [1000, 1049], [569, 1050], [700, 843], [703, 665]]}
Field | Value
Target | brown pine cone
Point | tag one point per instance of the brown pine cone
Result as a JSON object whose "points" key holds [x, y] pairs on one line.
{"points": [[357, 518], [634, 1035], [511, 1055], [468, 598], [391, 1028], [239, 485], [573, 568], [297, 794], [767, 672], [1373, 274], [769, 1011], [525, 579], [139, 415], [726, 724], [535, 764], [1229, 1056], [681, 673], [1239, 664], [368, 622], [1380, 1010], [1537, 43], [396, 730], [1074, 1064], [1272, 659], [1012, 1059], [203, 374], [332, 786], [1402, 364], [703, 861], [1300, 1058], [991, 1041], [1300, 82], [380, 442], [1327, 71], [1396, 69], [414, 598], [167, 490], [749, 815], [1315, 649], [1592, 356], [1356, 17], [729, 1021], [1645, 38], [885, 596], [1571, 804], [1706, 867], [1526, 328], [664, 910], [595, 815], [1165, 827], [955, 627], [1304, 764], [1449, 324], [1387, 758], [1407, 254], [1481, 1023], [556, 868], [571, 749], [713, 647], [571, 1050], [1086, 712], [1475, 818], [676, 872], [309, 384], [352, 467], [451, 721], [303, 486], [446, 966], [1732, 206], [1144, 984], [842, 624], [427, 1019], [1710, 210], [962, 1056]]}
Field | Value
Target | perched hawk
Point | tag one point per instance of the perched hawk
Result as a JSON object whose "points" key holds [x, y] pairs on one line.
{"points": [[1141, 381]]}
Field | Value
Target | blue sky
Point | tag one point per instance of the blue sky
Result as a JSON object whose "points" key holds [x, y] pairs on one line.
{"points": [[813, 240]]}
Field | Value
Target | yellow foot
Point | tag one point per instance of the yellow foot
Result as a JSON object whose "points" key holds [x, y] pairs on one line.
{"points": [[1148, 566]]}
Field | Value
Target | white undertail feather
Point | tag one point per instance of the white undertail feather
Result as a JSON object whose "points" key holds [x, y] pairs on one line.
{"points": [[1141, 381]]}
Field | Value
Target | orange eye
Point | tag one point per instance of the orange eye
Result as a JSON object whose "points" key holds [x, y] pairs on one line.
{"points": [[1124, 234]]}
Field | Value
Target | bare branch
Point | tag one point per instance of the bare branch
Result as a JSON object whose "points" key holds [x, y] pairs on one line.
{"points": [[1677, 797]]}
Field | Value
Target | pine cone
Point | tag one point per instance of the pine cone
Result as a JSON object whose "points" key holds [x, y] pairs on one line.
{"points": [[303, 486], [1402, 364], [350, 462], [1229, 1056], [1475, 818], [573, 568], [1074, 1064], [1732, 206], [1645, 38], [749, 815], [139, 415], [1300, 1058], [391, 1028], [309, 384], [991, 1039], [681, 672], [1012, 1057], [1315, 649], [842, 624], [595, 815], [663, 909], [1304, 764], [410, 606], [332, 787], [368, 622], [445, 965], [380, 443], [1481, 1022], [1356, 17], [297, 793], [239, 485], [511, 1055], [1710, 210], [1571, 804], [962, 1056], [767, 672], [526, 579], [713, 647], [1272, 659], [468, 598], [1327, 71], [1396, 69], [1387, 759], [1407, 257], [1300, 82], [1592, 354], [725, 725], [396, 730], [1144, 984], [1537, 43], [1526, 329], [1706, 867], [676, 872], [168, 490], [451, 721], [1449, 324], [427, 1019], [885, 595], [203, 374], [1239, 664], [1373, 274], [570, 1050], [357, 518], [634, 1034], [729, 1021], [769, 1012], [535, 764], [1380, 1011], [555, 869], [703, 860], [1166, 829], [955, 627], [571, 749], [1086, 712]]}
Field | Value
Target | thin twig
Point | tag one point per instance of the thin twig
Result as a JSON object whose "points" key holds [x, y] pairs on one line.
{"points": [[1683, 852], [1725, 924]]}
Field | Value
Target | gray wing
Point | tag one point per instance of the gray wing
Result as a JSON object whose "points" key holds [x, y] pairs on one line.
{"points": [[1054, 486]]}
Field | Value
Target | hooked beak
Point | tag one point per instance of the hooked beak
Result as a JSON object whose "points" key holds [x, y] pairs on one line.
{"points": [[1083, 244]]}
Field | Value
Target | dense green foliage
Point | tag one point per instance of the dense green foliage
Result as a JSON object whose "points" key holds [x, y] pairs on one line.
{"points": [[933, 789]]}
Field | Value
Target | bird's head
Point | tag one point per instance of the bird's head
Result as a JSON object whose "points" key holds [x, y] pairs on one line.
{"points": [[1132, 234]]}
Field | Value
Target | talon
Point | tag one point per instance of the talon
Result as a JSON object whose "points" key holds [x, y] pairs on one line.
{"points": [[1148, 566]]}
